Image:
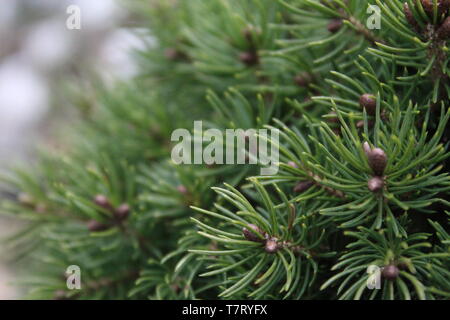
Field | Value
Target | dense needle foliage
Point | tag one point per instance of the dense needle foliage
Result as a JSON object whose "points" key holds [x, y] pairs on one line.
{"points": [[363, 181]]}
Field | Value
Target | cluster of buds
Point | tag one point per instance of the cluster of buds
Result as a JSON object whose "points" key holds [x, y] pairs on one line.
{"points": [[119, 213], [271, 244], [444, 30], [377, 161], [443, 25], [442, 7]]}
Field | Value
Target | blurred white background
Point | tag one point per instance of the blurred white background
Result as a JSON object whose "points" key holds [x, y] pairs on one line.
{"points": [[36, 50]]}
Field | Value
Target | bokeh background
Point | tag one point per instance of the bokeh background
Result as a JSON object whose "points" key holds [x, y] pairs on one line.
{"points": [[39, 60]]}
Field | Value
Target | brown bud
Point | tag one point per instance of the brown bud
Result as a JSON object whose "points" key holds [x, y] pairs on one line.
{"points": [[60, 295], [390, 272], [94, 225], [335, 25], [368, 102], [410, 17], [444, 30], [302, 186], [377, 161], [249, 58], [336, 193], [102, 201], [427, 6], [251, 236], [442, 7], [122, 212], [367, 148], [174, 54], [303, 79], [292, 164], [182, 189], [375, 184], [271, 245], [249, 32]]}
